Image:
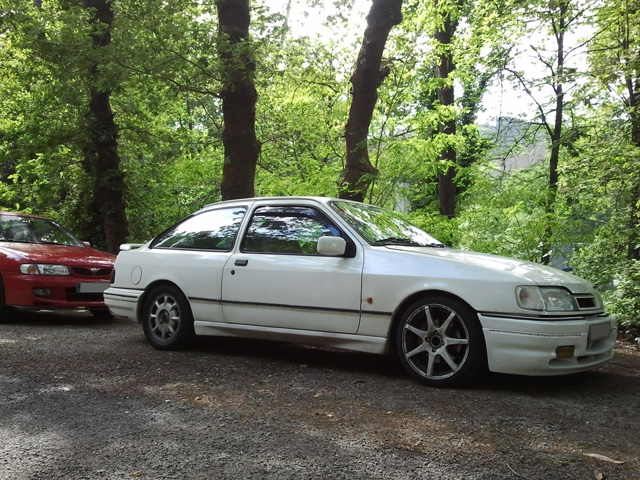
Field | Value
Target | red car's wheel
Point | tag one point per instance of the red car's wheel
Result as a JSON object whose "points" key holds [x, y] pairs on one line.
{"points": [[5, 311]]}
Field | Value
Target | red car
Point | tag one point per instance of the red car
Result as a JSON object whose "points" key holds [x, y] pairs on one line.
{"points": [[43, 266]]}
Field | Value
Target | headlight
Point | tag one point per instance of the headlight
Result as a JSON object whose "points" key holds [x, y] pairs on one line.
{"points": [[546, 299], [43, 269]]}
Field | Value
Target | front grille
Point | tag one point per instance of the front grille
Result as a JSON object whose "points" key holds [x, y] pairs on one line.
{"points": [[587, 302], [90, 272]]}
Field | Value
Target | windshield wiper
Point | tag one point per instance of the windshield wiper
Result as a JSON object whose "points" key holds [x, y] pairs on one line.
{"points": [[397, 241], [406, 242]]}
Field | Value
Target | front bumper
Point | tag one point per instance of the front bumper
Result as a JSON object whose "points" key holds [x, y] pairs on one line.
{"points": [[62, 292], [528, 347], [123, 301]]}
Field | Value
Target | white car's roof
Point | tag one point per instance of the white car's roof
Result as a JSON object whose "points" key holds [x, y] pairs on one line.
{"points": [[244, 201]]}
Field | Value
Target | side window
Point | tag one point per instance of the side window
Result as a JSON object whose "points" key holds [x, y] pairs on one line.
{"points": [[293, 230], [212, 230]]}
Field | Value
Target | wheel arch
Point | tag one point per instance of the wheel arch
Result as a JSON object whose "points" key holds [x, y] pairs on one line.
{"points": [[150, 288], [402, 308]]}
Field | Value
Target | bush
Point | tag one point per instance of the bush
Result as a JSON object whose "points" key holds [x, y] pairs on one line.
{"points": [[623, 301]]}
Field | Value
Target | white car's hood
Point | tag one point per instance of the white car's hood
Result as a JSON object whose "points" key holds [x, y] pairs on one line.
{"points": [[527, 272]]}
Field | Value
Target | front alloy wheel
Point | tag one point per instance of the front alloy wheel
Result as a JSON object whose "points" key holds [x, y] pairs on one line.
{"points": [[440, 342], [167, 320]]}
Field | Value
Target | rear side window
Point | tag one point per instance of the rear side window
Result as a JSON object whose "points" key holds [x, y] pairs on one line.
{"points": [[212, 230], [293, 230]]}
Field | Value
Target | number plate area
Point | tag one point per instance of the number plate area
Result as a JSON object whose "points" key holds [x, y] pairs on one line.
{"points": [[600, 330], [91, 287]]}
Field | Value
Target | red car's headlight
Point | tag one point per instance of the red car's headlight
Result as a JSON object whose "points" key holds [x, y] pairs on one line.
{"points": [[44, 269]]}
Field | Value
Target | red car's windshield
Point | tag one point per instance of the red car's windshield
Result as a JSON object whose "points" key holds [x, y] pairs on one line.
{"points": [[14, 228]]}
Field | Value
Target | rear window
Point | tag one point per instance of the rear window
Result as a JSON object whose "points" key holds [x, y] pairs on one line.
{"points": [[211, 230]]}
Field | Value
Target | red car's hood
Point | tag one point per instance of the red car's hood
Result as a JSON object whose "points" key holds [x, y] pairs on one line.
{"points": [[56, 254]]}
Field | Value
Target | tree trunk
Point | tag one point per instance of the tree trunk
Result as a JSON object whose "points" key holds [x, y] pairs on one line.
{"points": [[555, 133], [239, 96], [368, 75], [446, 66], [633, 90], [102, 151], [633, 248]]}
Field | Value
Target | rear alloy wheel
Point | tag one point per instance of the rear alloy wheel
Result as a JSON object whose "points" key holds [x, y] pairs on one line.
{"points": [[167, 320], [440, 342]]}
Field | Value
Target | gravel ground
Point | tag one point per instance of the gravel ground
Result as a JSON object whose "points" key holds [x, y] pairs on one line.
{"points": [[89, 399]]}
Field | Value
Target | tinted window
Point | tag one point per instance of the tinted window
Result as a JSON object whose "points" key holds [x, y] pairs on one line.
{"points": [[287, 230], [212, 230]]}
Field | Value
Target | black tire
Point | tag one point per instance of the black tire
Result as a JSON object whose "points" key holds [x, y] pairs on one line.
{"points": [[439, 341], [5, 311], [167, 320], [101, 313]]}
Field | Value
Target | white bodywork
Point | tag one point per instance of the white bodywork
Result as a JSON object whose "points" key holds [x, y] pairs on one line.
{"points": [[353, 302]]}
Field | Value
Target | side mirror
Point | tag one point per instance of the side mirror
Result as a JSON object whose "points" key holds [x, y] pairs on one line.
{"points": [[332, 246], [125, 247]]}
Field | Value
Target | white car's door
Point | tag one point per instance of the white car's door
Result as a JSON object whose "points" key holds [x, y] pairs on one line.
{"points": [[192, 255], [277, 279]]}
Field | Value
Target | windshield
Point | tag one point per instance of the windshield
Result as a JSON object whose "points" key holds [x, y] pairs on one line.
{"points": [[18, 229], [383, 227]]}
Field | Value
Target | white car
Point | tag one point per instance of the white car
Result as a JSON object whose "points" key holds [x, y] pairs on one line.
{"points": [[344, 274]]}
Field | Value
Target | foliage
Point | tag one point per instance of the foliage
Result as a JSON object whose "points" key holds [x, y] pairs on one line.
{"points": [[603, 178], [607, 165], [302, 153], [504, 214], [625, 299]]}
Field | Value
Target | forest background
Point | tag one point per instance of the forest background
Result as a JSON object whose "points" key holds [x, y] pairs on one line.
{"points": [[120, 117]]}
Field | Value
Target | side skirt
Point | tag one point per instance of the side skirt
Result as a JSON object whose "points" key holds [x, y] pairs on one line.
{"points": [[359, 343]]}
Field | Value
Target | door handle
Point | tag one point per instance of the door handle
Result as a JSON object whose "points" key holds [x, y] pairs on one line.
{"points": [[241, 263]]}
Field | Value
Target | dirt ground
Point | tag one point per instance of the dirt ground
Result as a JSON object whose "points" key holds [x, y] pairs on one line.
{"points": [[82, 398]]}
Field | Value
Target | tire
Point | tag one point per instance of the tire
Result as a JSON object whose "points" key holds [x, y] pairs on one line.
{"points": [[101, 313], [166, 318], [439, 342], [5, 311]]}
